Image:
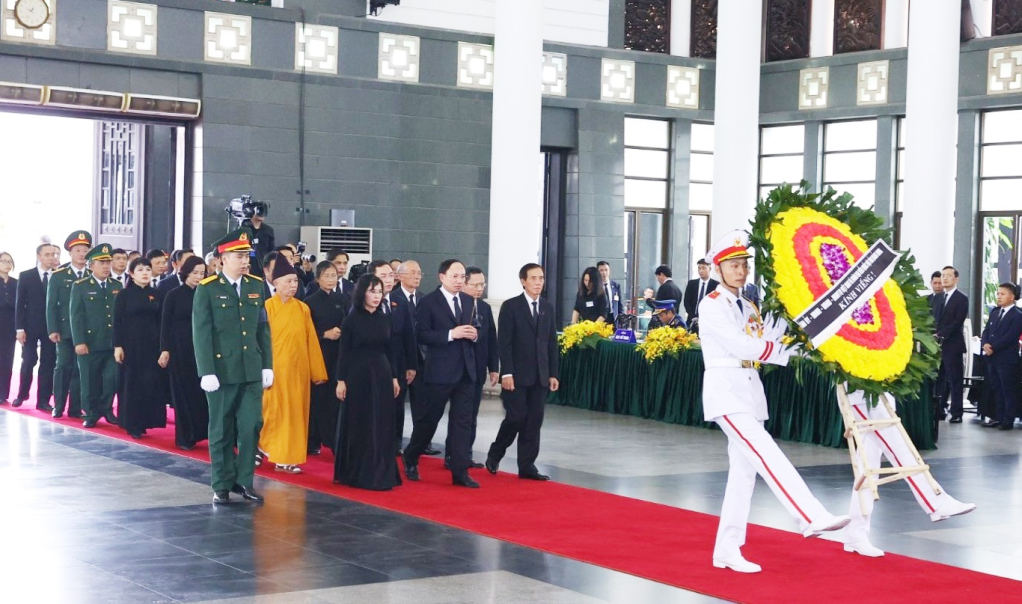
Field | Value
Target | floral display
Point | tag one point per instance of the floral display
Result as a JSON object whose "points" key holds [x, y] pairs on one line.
{"points": [[804, 243], [584, 334], [666, 341]]}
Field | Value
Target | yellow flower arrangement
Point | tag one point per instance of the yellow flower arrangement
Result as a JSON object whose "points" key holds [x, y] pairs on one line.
{"points": [[584, 334], [666, 340]]}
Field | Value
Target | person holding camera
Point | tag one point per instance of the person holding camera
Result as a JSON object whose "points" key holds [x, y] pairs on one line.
{"points": [[263, 240]]}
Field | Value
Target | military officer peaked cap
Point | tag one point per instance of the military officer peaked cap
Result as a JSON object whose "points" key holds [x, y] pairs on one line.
{"points": [[660, 306], [732, 246], [100, 252], [238, 240], [78, 238]]}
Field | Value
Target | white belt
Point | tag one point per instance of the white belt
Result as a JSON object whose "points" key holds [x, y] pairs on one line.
{"points": [[734, 363]]}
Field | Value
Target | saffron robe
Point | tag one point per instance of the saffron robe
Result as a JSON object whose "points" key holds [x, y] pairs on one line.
{"points": [[297, 362]]}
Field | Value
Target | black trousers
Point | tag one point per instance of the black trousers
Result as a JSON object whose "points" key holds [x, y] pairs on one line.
{"points": [[523, 418], [1005, 380], [323, 410], [7, 342], [476, 400], [950, 379], [38, 348], [399, 410], [459, 426]]}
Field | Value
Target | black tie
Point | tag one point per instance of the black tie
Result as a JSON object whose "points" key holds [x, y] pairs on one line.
{"points": [[411, 300], [739, 303], [702, 292], [237, 288], [46, 279], [535, 310], [457, 310], [102, 286]]}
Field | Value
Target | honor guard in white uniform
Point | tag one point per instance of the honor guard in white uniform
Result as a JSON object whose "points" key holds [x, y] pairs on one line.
{"points": [[735, 339], [890, 443]]}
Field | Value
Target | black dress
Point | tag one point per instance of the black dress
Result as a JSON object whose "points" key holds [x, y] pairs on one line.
{"points": [[328, 311], [591, 307], [191, 410], [8, 292], [365, 433], [137, 331]]}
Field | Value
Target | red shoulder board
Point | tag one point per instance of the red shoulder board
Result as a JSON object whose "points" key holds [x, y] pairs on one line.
{"points": [[713, 294]]}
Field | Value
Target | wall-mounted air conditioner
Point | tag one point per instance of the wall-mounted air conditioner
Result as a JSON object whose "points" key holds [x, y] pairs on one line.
{"points": [[357, 242]]}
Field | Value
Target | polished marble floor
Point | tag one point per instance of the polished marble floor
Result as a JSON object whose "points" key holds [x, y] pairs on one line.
{"points": [[90, 519]]}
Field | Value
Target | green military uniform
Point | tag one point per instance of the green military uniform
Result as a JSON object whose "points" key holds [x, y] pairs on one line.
{"points": [[58, 308], [232, 342], [92, 324]]}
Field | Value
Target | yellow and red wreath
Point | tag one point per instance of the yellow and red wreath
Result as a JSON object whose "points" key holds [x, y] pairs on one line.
{"points": [[804, 244]]}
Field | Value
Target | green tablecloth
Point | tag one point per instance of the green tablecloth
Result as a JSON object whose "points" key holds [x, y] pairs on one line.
{"points": [[616, 379]]}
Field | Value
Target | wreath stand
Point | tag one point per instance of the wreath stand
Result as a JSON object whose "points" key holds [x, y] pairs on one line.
{"points": [[868, 478]]}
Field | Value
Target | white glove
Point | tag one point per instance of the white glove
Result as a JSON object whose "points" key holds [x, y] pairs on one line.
{"points": [[209, 383], [267, 378]]}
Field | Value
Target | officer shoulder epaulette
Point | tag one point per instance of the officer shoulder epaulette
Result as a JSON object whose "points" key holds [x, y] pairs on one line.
{"points": [[254, 277], [208, 279], [59, 270], [82, 280], [713, 295]]}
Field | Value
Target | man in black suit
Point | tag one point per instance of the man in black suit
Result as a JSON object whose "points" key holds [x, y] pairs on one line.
{"points": [[951, 309], [172, 280], [1000, 346], [443, 325], [612, 290], [487, 353], [695, 290], [938, 289], [527, 338], [402, 340], [161, 270], [119, 266], [30, 323], [669, 290]]}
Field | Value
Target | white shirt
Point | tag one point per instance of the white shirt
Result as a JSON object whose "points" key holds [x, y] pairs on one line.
{"points": [[79, 272], [730, 332], [409, 293]]}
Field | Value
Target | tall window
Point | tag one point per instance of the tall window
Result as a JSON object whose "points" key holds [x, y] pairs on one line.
{"points": [[787, 30], [703, 43], [1000, 200], [647, 174], [1007, 17], [850, 159], [899, 182], [700, 193], [648, 25], [780, 156], [858, 25]]}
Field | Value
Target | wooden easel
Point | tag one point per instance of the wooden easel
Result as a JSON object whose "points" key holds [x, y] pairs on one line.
{"points": [[867, 478]]}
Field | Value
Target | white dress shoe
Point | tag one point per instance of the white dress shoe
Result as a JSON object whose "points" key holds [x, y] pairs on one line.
{"points": [[864, 548], [826, 523], [951, 507], [737, 564]]}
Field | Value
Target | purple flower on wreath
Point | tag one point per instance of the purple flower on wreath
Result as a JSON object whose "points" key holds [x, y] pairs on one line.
{"points": [[836, 264]]}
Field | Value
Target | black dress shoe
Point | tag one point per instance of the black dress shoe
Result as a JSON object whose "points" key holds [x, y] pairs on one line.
{"points": [[44, 407], [17, 402], [4, 402], [221, 497], [186, 447], [475, 465], [412, 472], [1005, 427], [534, 476], [110, 419], [314, 451], [431, 451], [955, 420], [90, 423], [135, 435], [76, 414], [57, 415], [491, 465], [990, 424], [464, 481], [247, 493]]}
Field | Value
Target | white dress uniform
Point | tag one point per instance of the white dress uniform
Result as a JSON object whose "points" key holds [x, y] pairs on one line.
{"points": [[733, 337], [888, 442]]}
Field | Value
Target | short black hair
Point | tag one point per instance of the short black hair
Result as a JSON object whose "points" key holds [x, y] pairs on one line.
{"points": [[664, 270], [335, 252], [950, 268], [270, 257], [176, 255], [935, 275], [155, 253], [322, 266], [282, 248], [702, 262], [190, 264], [137, 262], [602, 263], [42, 246], [472, 270], [523, 273], [118, 250], [447, 264], [375, 264], [393, 260], [1010, 287]]}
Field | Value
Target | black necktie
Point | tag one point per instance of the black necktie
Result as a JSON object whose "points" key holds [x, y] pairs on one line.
{"points": [[411, 300], [457, 310], [386, 306], [102, 286], [46, 279], [739, 303], [237, 288], [535, 310], [702, 292]]}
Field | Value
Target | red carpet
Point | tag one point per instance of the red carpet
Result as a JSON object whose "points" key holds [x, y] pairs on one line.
{"points": [[649, 540]]}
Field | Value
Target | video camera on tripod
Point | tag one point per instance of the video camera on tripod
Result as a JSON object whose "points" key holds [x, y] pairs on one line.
{"points": [[245, 208]]}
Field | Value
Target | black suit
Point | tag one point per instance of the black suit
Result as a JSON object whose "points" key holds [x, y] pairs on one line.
{"points": [[616, 306], [951, 314], [1003, 370], [169, 283], [487, 357], [528, 353], [692, 296], [449, 374], [404, 353], [30, 317], [670, 291]]}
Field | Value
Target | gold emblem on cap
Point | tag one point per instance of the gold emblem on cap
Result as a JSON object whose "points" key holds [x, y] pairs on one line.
{"points": [[243, 237], [738, 242], [81, 236]]}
